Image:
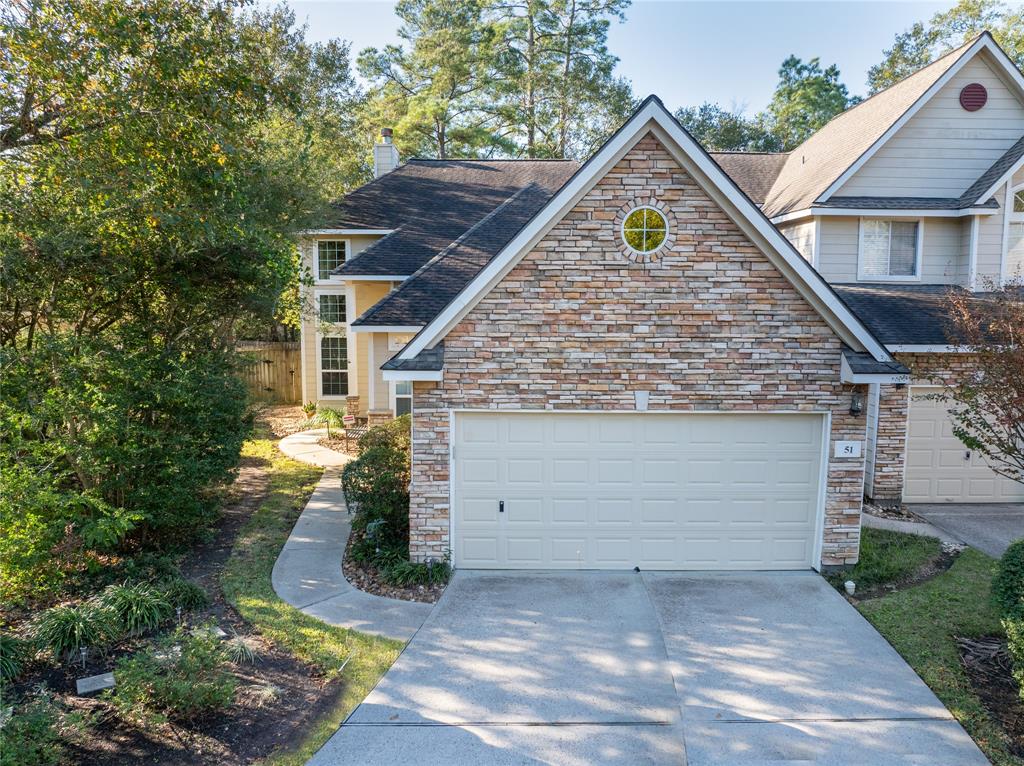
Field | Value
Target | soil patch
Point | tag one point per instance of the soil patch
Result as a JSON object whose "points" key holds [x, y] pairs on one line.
{"points": [[931, 568], [368, 578], [987, 663], [283, 419], [344, 446]]}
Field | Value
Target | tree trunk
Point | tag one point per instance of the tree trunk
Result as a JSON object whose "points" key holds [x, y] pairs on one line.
{"points": [[563, 122]]}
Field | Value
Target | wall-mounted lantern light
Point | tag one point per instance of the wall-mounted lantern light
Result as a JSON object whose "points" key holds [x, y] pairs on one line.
{"points": [[857, 403]]}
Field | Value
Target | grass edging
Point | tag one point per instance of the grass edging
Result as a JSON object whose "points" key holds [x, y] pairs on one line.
{"points": [[246, 583], [920, 623]]}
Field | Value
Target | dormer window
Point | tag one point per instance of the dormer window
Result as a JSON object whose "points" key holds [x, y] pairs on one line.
{"points": [[889, 250], [330, 254]]}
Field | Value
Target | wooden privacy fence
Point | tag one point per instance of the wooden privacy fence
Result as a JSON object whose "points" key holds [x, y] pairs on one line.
{"points": [[271, 371]]}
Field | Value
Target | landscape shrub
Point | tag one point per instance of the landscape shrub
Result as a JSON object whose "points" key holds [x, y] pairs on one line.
{"points": [[64, 630], [395, 434], [376, 487], [182, 678], [1008, 594], [119, 447], [36, 732], [328, 417], [404, 573], [137, 607], [1008, 583], [13, 652], [184, 594]]}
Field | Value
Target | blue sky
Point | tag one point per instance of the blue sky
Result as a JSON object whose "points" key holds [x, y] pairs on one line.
{"points": [[691, 52]]}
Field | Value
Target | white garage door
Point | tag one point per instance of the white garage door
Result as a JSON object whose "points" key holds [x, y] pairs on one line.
{"points": [[939, 468], [614, 491]]}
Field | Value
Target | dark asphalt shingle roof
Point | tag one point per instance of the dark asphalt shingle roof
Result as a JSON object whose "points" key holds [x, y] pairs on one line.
{"points": [[902, 314], [421, 297], [987, 179], [862, 363], [427, 360], [430, 203], [904, 203], [753, 172]]}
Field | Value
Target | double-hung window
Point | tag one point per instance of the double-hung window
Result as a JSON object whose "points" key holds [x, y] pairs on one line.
{"points": [[889, 249], [332, 308], [401, 395], [1015, 234], [330, 254], [333, 365]]}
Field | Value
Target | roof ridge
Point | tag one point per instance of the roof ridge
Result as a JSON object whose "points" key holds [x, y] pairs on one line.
{"points": [[741, 151], [490, 159]]}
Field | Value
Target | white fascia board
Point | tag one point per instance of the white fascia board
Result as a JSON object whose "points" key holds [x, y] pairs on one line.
{"points": [[344, 232], [372, 278], [846, 375], [413, 375], [858, 212], [985, 41], [654, 117], [386, 328], [924, 348]]}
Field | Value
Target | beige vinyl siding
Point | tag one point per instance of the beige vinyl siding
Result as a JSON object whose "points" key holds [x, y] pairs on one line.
{"points": [[943, 148], [380, 399], [943, 258], [837, 253], [801, 235], [310, 372], [367, 294], [990, 243]]}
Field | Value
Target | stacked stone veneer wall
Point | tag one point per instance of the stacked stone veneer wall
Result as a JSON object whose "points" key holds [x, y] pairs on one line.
{"points": [[706, 323]]}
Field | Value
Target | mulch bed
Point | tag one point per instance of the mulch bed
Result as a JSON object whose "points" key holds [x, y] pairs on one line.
{"points": [[277, 697], [987, 663], [344, 446], [366, 577]]}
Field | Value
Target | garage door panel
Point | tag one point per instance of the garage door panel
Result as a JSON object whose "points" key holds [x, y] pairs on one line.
{"points": [[939, 468], [733, 500]]}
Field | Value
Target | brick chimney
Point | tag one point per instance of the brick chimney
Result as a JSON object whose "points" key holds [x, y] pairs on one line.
{"points": [[385, 155]]}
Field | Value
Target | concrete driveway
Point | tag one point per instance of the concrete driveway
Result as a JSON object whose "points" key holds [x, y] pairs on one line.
{"points": [[989, 527], [622, 668]]}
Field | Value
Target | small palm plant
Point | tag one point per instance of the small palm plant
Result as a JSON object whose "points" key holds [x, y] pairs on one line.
{"points": [[329, 417]]}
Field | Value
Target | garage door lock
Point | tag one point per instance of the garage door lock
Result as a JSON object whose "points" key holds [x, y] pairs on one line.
{"points": [[501, 506]]}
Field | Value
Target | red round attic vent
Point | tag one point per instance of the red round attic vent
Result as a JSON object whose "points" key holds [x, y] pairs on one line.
{"points": [[973, 97]]}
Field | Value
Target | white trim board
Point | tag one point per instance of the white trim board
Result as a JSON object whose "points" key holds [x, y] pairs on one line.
{"points": [[984, 42], [847, 375], [1005, 178], [654, 118], [413, 375], [330, 232], [925, 348], [854, 212], [370, 278]]}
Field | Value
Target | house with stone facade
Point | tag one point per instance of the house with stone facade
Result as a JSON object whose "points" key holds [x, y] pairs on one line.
{"points": [[669, 359]]}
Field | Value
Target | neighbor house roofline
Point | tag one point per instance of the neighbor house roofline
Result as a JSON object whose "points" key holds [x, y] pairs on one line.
{"points": [[650, 116], [984, 42]]}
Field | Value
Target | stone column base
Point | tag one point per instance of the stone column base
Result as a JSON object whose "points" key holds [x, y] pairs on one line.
{"points": [[377, 417], [352, 405]]}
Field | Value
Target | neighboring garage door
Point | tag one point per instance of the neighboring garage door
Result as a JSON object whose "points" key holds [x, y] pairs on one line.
{"points": [[939, 468], [614, 491]]}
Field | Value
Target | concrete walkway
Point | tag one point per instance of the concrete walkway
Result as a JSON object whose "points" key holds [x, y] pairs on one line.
{"points": [[308, 572], [921, 528], [989, 527]]}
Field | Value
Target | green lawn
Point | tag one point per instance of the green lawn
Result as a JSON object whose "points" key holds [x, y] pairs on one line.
{"points": [[246, 584], [887, 557], [920, 623]]}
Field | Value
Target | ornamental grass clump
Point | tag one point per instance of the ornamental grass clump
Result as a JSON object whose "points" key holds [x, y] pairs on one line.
{"points": [[138, 608], [66, 630]]}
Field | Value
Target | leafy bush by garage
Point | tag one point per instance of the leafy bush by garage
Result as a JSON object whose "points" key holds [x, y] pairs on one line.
{"points": [[376, 486], [1008, 595], [394, 435], [183, 678]]}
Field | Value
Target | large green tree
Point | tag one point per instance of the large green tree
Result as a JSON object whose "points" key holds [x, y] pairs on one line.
{"points": [[156, 159], [926, 41], [805, 98], [727, 130]]}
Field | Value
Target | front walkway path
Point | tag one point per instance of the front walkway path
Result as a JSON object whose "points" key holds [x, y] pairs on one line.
{"points": [[308, 572]]}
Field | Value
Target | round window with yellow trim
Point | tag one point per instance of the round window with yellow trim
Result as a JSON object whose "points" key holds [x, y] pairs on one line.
{"points": [[644, 230]]}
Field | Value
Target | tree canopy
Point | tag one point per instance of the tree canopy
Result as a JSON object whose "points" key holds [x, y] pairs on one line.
{"points": [[926, 41]]}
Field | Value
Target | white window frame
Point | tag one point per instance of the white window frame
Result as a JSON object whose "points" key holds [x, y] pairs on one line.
{"points": [[346, 246], [394, 396], [320, 368], [1010, 219], [919, 256], [622, 229], [317, 295]]}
